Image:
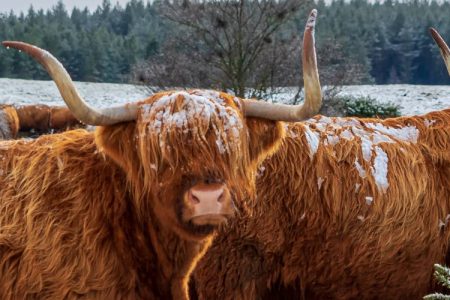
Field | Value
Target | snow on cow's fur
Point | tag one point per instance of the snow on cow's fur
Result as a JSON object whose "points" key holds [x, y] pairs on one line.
{"points": [[347, 208], [98, 215]]}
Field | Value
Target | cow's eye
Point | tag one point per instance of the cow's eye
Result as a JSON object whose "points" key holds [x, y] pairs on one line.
{"points": [[212, 180]]}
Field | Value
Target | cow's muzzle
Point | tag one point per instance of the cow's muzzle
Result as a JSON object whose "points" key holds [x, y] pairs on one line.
{"points": [[208, 204]]}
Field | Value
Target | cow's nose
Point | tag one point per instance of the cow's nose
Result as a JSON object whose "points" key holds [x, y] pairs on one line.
{"points": [[205, 196], [209, 204]]}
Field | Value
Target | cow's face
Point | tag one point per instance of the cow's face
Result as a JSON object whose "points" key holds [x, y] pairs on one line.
{"points": [[192, 158]]}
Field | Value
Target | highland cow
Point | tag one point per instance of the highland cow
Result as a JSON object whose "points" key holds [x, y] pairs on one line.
{"points": [[42, 118], [9, 122], [127, 211], [346, 208], [38, 118]]}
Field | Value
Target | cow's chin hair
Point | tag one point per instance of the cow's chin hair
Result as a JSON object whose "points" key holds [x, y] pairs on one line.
{"points": [[199, 230]]}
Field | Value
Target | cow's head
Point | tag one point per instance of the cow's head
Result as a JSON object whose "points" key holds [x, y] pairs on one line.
{"points": [[191, 156]]}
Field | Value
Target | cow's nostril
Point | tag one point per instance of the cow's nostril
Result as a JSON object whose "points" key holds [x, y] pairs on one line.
{"points": [[195, 200], [220, 199]]}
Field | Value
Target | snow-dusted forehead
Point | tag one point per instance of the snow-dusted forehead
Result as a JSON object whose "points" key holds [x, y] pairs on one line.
{"points": [[194, 111], [192, 104]]}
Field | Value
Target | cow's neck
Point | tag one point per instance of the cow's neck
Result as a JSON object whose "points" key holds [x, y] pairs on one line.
{"points": [[176, 257], [161, 258]]}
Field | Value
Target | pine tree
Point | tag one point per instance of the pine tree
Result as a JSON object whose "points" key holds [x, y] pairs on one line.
{"points": [[442, 275]]}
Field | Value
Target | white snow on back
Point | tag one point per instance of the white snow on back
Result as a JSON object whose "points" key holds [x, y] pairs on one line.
{"points": [[313, 139], [381, 138], [320, 180], [366, 142], [327, 132], [406, 134], [346, 134], [335, 122], [428, 123], [360, 169], [332, 139], [380, 169]]}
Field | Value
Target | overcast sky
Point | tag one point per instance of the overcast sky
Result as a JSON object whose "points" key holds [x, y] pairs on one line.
{"points": [[23, 5]]}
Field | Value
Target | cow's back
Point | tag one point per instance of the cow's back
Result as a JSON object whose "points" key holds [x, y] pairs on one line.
{"points": [[347, 208], [55, 241]]}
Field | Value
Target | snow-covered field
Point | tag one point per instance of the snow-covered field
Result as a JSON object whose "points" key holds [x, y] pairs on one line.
{"points": [[413, 99]]}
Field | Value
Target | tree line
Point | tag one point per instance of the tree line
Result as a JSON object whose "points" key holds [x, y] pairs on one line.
{"points": [[364, 42]]}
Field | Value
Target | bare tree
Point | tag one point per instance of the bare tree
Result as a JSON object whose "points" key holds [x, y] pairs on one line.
{"points": [[225, 44], [236, 46]]}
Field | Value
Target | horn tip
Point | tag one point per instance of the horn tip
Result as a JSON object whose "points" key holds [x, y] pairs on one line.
{"points": [[311, 23], [7, 43], [14, 44], [434, 33], [439, 41]]}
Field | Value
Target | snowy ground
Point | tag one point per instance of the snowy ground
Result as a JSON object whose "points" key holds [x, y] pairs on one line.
{"points": [[413, 99]]}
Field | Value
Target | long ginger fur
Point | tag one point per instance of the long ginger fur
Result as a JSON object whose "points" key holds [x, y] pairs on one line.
{"points": [[94, 215], [321, 230]]}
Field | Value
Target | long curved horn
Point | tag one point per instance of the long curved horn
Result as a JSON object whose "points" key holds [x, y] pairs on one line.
{"points": [[313, 93], [445, 50], [80, 109]]}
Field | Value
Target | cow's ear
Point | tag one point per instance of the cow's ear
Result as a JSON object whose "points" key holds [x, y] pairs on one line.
{"points": [[265, 136], [118, 143]]}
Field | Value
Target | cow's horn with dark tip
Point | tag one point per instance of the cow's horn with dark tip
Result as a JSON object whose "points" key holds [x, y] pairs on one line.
{"points": [[313, 93], [445, 50], [80, 109]]}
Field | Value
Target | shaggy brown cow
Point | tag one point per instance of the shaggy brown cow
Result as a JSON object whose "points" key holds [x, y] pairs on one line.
{"points": [[43, 118], [126, 212], [346, 209], [39, 118], [9, 122]]}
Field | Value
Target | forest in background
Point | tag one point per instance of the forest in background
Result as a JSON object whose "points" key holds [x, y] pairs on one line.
{"points": [[388, 42]]}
